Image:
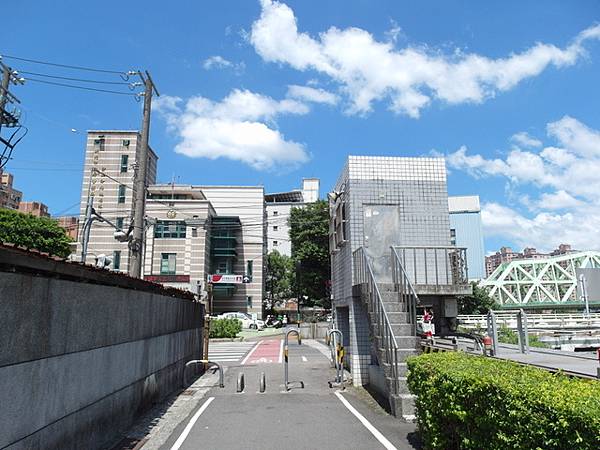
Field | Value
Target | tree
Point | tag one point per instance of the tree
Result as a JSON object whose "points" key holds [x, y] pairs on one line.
{"points": [[309, 233], [478, 303], [279, 280], [40, 233]]}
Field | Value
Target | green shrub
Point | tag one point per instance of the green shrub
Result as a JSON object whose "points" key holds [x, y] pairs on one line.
{"points": [[225, 328], [475, 402]]}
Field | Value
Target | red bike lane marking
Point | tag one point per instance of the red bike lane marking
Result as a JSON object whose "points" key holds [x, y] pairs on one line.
{"points": [[266, 353]]}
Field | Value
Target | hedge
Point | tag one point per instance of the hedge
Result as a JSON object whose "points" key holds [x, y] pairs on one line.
{"points": [[476, 402], [225, 328]]}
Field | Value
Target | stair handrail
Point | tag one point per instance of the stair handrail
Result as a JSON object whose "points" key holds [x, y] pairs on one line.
{"points": [[405, 289], [363, 274]]}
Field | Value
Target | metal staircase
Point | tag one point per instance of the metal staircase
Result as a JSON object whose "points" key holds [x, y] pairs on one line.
{"points": [[392, 321]]}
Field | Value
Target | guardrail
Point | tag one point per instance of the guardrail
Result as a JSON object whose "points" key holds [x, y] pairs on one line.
{"points": [[363, 274], [406, 292], [434, 265], [538, 321]]}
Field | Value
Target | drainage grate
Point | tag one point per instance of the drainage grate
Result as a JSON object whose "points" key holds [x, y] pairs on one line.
{"points": [[189, 392]]}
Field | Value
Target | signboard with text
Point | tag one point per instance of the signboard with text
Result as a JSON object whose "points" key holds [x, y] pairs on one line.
{"points": [[229, 279]]}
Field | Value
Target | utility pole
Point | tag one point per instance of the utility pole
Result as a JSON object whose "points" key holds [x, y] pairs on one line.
{"points": [[87, 225], [136, 244], [9, 119]]}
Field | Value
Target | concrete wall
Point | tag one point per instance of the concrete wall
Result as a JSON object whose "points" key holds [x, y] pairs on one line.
{"points": [[79, 361]]}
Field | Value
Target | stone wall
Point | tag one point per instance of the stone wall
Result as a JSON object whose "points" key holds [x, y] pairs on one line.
{"points": [[80, 359]]}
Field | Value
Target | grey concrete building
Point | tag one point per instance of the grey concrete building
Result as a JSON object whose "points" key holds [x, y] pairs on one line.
{"points": [[377, 203]]}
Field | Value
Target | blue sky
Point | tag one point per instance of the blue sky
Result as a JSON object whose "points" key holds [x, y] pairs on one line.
{"points": [[268, 93]]}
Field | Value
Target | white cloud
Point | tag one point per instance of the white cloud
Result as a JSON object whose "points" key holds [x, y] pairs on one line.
{"points": [[240, 127], [544, 231], [562, 179], [310, 94], [410, 78], [523, 139], [218, 62]]}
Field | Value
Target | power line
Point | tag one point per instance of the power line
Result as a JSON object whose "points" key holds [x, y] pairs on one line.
{"points": [[73, 86], [83, 80], [89, 69]]}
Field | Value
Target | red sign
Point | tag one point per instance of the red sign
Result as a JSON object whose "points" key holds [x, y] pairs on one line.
{"points": [[168, 278]]}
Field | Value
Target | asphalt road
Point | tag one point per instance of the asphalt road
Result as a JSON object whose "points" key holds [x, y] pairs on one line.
{"points": [[314, 417]]}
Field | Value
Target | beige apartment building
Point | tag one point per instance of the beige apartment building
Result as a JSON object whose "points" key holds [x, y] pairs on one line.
{"points": [[108, 174], [10, 198], [191, 231], [37, 209]]}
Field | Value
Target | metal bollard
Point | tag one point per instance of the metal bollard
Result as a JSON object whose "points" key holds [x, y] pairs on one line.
{"points": [[285, 355], [262, 383], [522, 331], [492, 330], [337, 354], [208, 364], [240, 382]]}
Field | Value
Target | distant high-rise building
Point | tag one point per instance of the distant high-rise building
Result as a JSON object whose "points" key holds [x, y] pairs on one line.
{"points": [[506, 255], [279, 207], [466, 231], [38, 209], [10, 198]]}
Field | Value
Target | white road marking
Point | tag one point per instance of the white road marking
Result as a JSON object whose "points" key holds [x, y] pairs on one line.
{"points": [[374, 431], [179, 442], [228, 351], [281, 352], [251, 351], [304, 359]]}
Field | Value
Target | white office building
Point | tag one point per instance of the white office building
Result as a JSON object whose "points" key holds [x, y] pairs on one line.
{"points": [[279, 206]]}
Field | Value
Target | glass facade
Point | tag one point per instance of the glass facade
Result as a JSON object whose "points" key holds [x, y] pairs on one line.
{"points": [[170, 229]]}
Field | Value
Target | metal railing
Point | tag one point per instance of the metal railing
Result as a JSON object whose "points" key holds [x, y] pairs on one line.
{"points": [[406, 292], [434, 265], [548, 321], [363, 274]]}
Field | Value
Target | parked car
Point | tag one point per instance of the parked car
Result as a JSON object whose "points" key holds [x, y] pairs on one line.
{"points": [[245, 318]]}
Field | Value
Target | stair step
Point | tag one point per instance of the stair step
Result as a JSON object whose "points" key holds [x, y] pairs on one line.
{"points": [[402, 369], [403, 353], [403, 407], [401, 329], [389, 296], [397, 317], [407, 342], [394, 306], [402, 385]]}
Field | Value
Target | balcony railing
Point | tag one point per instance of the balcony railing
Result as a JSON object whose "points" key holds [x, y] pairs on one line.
{"points": [[434, 265]]}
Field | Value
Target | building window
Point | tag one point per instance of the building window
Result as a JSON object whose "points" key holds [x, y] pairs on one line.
{"points": [[275, 228], [249, 301], [121, 197], [124, 163], [275, 213], [223, 268], [119, 223], [169, 229], [117, 260], [275, 243], [126, 142], [249, 268], [168, 263], [452, 236]]}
